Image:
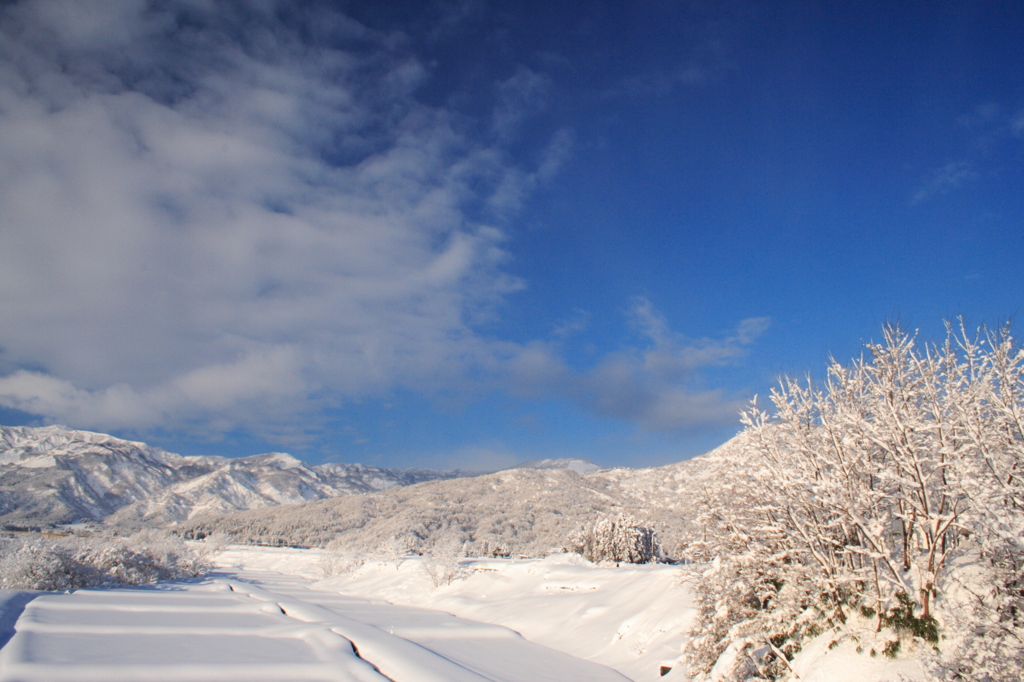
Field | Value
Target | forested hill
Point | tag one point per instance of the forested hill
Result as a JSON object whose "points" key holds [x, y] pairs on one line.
{"points": [[520, 511]]}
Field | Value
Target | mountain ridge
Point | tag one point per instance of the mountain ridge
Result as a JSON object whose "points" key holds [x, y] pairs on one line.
{"points": [[52, 475]]}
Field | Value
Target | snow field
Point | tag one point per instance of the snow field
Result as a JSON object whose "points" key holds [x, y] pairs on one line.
{"points": [[248, 624], [631, 618], [201, 633]]}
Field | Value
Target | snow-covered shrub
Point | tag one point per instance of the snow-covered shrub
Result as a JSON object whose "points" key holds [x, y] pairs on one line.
{"points": [[335, 564], [622, 539], [66, 563], [38, 564], [216, 542], [990, 618], [339, 559], [861, 497], [754, 607], [165, 554]]}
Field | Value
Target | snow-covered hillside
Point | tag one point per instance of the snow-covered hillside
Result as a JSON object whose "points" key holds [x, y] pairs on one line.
{"points": [[53, 475], [519, 511]]}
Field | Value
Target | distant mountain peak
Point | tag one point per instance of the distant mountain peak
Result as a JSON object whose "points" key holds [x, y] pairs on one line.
{"points": [[281, 460], [52, 475], [580, 466]]}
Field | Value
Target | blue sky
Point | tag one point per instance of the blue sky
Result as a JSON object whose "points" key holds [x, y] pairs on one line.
{"points": [[470, 234]]}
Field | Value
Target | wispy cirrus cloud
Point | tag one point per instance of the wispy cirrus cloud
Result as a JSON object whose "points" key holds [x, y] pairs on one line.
{"points": [[992, 130], [949, 177], [661, 82], [1017, 124], [523, 94], [709, 60]]}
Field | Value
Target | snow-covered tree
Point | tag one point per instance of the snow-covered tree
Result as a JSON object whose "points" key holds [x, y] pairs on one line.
{"points": [[619, 539], [393, 550], [442, 561], [864, 496]]}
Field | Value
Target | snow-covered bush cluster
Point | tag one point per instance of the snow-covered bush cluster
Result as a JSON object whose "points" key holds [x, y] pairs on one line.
{"points": [[441, 561], [622, 539], [891, 495], [335, 562], [64, 563]]}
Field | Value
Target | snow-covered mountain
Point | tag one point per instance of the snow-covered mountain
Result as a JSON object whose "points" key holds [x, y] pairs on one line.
{"points": [[580, 466], [52, 475]]}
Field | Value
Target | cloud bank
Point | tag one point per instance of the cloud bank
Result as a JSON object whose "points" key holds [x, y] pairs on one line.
{"points": [[215, 206]]}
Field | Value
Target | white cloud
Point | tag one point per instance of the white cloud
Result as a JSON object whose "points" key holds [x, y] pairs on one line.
{"points": [[652, 384], [213, 216], [672, 357], [118, 406], [709, 61], [985, 115]]}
